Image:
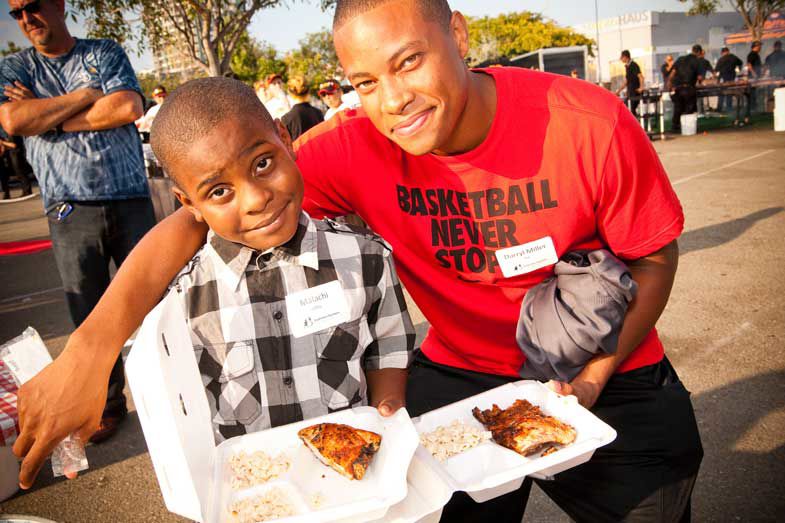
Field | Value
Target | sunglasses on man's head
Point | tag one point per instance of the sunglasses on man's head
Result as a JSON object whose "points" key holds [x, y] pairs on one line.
{"points": [[31, 8]]}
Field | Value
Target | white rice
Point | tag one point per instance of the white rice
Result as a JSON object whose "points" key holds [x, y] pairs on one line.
{"points": [[257, 468], [273, 504], [447, 441]]}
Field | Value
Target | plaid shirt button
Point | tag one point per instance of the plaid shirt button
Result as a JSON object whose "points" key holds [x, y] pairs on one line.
{"points": [[278, 315], [288, 381]]}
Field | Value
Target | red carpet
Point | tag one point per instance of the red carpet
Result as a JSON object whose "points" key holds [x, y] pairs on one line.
{"points": [[26, 247]]}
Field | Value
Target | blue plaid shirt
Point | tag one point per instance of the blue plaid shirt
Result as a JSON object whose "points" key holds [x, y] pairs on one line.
{"points": [[81, 166]]}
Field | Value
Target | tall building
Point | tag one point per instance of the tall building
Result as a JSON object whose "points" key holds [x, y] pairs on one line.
{"points": [[173, 58]]}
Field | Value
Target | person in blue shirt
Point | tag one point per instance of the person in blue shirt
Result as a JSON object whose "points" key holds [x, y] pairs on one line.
{"points": [[74, 101]]}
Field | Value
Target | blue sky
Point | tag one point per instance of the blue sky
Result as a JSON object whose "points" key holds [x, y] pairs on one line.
{"points": [[284, 26]]}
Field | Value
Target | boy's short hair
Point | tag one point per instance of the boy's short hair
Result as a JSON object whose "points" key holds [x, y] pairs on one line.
{"points": [[626, 54], [195, 108], [434, 10]]}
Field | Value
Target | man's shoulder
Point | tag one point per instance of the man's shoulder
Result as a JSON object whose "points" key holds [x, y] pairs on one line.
{"points": [[552, 92], [19, 60], [350, 126]]}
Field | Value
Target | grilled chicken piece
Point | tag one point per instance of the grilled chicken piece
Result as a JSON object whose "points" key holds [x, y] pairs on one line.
{"points": [[347, 450], [524, 428]]}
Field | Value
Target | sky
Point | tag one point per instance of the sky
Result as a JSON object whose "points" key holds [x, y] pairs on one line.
{"points": [[284, 26]]}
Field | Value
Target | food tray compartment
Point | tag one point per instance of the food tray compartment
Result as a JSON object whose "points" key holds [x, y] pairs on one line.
{"points": [[490, 470], [383, 485]]}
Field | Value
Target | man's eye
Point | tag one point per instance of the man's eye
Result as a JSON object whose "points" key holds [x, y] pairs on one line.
{"points": [[411, 60], [368, 84], [263, 165]]}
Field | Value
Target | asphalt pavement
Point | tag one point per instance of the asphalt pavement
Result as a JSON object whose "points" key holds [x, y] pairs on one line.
{"points": [[723, 329]]}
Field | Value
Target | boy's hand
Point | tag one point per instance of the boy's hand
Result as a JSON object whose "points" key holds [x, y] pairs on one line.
{"points": [[389, 406]]}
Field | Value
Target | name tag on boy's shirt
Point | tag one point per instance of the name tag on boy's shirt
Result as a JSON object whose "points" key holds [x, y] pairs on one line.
{"points": [[316, 309], [528, 257]]}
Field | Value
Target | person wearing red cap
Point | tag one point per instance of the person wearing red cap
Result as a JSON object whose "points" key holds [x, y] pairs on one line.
{"points": [[331, 94]]}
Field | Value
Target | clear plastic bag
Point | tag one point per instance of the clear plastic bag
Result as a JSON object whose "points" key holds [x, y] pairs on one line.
{"points": [[25, 356]]}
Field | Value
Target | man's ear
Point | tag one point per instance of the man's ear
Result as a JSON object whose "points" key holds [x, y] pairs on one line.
{"points": [[459, 31], [286, 138], [186, 202]]}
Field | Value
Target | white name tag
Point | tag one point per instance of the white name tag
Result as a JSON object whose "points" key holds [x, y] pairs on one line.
{"points": [[527, 257], [316, 309]]}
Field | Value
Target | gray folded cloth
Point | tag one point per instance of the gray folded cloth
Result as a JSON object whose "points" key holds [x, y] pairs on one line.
{"points": [[568, 318]]}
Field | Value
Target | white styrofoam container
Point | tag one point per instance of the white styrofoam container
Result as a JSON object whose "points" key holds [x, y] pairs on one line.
{"points": [[490, 470], [429, 490], [172, 407], [383, 485]]}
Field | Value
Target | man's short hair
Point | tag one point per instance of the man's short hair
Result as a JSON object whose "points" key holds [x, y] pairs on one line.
{"points": [[697, 49], [434, 10], [756, 43], [196, 107], [625, 54], [725, 50]]}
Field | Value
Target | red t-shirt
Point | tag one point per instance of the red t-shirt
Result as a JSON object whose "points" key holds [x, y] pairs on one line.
{"points": [[563, 159]]}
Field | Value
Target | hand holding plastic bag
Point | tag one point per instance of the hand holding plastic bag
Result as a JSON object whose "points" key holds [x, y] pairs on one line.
{"points": [[26, 356]]}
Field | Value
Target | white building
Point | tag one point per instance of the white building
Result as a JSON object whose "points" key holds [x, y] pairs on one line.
{"points": [[652, 35]]}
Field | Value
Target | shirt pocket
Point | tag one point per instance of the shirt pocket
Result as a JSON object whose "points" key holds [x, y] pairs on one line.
{"points": [[231, 380], [339, 365]]}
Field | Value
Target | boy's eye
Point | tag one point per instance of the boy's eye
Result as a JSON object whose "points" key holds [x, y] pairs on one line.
{"points": [[217, 193], [263, 165]]}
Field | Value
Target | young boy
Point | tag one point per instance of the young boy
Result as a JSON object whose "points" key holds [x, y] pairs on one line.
{"points": [[291, 318]]}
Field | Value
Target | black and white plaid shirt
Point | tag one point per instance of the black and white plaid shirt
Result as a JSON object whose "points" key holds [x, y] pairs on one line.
{"points": [[256, 372]]}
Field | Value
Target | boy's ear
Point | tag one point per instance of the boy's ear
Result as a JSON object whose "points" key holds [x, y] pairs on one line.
{"points": [[286, 138], [186, 202]]}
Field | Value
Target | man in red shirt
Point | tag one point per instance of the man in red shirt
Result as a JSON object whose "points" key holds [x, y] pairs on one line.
{"points": [[463, 171]]}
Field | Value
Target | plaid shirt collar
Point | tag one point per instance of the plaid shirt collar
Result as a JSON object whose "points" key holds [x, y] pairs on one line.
{"points": [[234, 258]]}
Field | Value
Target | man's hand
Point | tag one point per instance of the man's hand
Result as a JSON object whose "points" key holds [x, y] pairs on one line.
{"points": [[586, 392], [67, 397], [18, 91]]}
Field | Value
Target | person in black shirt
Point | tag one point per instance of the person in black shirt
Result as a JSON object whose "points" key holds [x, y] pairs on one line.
{"points": [[684, 76], [755, 71], [754, 65], [726, 70], [633, 81], [666, 68], [303, 115], [775, 62]]}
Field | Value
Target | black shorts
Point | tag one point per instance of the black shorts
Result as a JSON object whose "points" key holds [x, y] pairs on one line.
{"points": [[646, 474]]}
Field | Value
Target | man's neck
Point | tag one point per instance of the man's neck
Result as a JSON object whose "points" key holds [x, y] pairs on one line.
{"points": [[59, 47], [477, 118]]}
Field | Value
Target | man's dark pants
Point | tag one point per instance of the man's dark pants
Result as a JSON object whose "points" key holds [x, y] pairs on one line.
{"points": [[84, 242], [646, 474], [685, 101]]}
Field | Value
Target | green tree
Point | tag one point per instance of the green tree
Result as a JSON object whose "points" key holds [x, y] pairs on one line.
{"points": [[517, 33], [753, 12], [254, 60], [207, 30], [315, 59], [11, 48]]}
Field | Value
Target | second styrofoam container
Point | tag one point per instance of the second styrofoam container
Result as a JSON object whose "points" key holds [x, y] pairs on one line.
{"points": [[384, 484], [490, 470]]}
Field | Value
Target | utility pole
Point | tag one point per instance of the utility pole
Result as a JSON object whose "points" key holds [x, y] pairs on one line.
{"points": [[597, 36]]}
